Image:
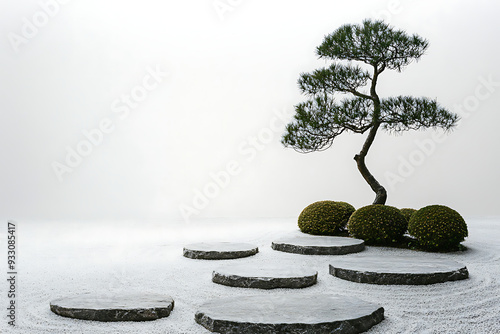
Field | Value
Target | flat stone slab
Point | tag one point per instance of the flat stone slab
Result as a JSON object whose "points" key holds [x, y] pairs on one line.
{"points": [[318, 245], [219, 250], [308, 314], [134, 307], [397, 270], [264, 277]]}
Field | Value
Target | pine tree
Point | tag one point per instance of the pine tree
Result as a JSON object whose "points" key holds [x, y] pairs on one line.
{"points": [[320, 119]]}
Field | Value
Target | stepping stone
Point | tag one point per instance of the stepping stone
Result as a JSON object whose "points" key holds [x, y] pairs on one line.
{"points": [[397, 270], [219, 250], [318, 245], [264, 278], [136, 307], [318, 313]]}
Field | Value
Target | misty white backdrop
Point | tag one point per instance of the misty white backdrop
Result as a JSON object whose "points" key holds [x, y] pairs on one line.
{"points": [[230, 82]]}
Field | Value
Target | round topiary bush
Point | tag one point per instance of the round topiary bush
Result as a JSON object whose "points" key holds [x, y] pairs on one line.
{"points": [[407, 212], [377, 224], [325, 217], [438, 227]]}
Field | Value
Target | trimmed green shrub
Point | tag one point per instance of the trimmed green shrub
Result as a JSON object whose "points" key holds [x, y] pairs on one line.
{"points": [[407, 212], [438, 227], [325, 217], [377, 224]]}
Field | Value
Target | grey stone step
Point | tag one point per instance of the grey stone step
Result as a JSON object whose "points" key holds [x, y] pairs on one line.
{"points": [[295, 313], [307, 244], [132, 307], [390, 269], [267, 277], [219, 250]]}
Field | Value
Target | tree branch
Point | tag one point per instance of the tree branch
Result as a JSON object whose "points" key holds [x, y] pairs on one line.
{"points": [[358, 94]]}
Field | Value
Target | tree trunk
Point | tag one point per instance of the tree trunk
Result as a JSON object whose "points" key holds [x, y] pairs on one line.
{"points": [[381, 194]]}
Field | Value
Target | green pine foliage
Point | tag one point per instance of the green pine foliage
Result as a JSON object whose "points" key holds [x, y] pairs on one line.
{"points": [[342, 96], [377, 224], [438, 228], [325, 217]]}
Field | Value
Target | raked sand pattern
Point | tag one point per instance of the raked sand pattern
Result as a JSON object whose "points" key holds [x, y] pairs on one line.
{"points": [[63, 259]]}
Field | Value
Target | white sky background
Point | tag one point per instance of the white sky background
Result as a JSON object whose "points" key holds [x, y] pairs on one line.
{"points": [[228, 76]]}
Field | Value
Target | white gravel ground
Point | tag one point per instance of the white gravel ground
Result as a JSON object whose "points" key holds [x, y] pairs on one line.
{"points": [[58, 259]]}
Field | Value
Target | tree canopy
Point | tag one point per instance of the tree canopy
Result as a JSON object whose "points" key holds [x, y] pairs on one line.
{"points": [[343, 97]]}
